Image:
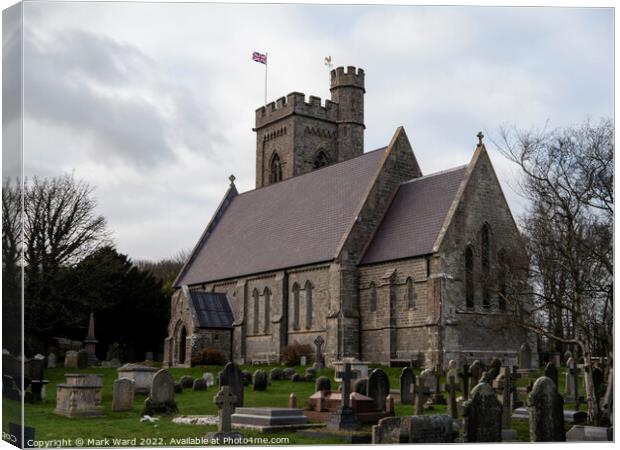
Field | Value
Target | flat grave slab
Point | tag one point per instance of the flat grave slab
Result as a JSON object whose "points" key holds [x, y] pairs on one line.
{"points": [[522, 413], [582, 433], [270, 419]]}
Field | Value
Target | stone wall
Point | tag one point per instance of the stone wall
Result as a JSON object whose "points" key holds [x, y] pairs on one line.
{"points": [[479, 332]]}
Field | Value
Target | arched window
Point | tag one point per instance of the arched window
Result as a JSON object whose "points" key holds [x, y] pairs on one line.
{"points": [[275, 171], [502, 263], [469, 277], [410, 293], [255, 300], [295, 306], [321, 160], [308, 305], [267, 295], [373, 297], [485, 264]]}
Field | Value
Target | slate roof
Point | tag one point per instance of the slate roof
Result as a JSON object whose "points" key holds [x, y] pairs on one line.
{"points": [[212, 309], [295, 222], [415, 217]]}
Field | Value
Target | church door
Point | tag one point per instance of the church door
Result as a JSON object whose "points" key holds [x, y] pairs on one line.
{"points": [[182, 346]]}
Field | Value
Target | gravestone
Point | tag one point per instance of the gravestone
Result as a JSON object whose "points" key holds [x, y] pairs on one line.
{"points": [[123, 393], [71, 359], [322, 384], [208, 377], [598, 381], [525, 356], [465, 376], [303, 361], [276, 374], [161, 396], [296, 378], [51, 361], [178, 387], [452, 409], [438, 398], [378, 388], [567, 355], [476, 373], [260, 380], [493, 370], [187, 381], [453, 370], [318, 354], [344, 418], [551, 371], [361, 386], [428, 380], [514, 375], [390, 430], [581, 433], [288, 373], [569, 380], [546, 408], [269, 419], [433, 429], [292, 400], [200, 384], [407, 381], [482, 415], [421, 394], [231, 376], [246, 377], [310, 374], [82, 359]]}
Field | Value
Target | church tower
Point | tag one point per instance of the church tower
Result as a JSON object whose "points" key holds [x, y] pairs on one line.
{"points": [[294, 137]]}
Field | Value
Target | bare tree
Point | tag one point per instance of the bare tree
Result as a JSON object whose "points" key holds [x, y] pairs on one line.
{"points": [[568, 179]]}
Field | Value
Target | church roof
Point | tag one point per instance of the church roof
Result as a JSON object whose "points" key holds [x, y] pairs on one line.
{"points": [[415, 217], [295, 222], [212, 309]]}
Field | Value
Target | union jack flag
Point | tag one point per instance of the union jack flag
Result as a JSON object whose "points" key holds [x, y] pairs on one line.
{"points": [[259, 57]]}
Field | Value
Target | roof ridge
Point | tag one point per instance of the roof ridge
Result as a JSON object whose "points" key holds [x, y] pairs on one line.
{"points": [[311, 172], [434, 174]]}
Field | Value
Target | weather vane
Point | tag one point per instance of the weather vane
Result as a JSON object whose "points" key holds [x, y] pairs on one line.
{"points": [[328, 62]]}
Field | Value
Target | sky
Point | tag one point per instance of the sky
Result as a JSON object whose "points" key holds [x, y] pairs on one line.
{"points": [[153, 103]]}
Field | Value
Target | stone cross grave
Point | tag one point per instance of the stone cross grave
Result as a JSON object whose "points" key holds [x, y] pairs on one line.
{"points": [[231, 376], [546, 408], [318, 356], [514, 376], [344, 418], [483, 415], [421, 393], [452, 409], [407, 380], [438, 398], [504, 383], [571, 381], [465, 375], [225, 401]]}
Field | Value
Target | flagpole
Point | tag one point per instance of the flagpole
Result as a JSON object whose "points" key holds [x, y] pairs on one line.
{"points": [[266, 61]]}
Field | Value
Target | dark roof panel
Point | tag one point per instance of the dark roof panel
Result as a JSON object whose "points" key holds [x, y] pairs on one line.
{"points": [[415, 217], [295, 222], [212, 309]]}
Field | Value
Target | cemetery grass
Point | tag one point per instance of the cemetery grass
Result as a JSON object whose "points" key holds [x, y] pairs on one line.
{"points": [[127, 424]]}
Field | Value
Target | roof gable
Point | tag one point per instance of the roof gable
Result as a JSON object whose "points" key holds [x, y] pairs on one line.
{"points": [[296, 222], [415, 217]]}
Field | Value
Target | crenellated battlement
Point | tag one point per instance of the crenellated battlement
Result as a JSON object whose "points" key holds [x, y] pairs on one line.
{"points": [[295, 103], [352, 77]]}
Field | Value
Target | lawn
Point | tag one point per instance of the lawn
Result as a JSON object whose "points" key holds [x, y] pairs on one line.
{"points": [[127, 425]]}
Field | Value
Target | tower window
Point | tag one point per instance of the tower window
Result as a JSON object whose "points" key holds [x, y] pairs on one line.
{"points": [[321, 160], [469, 277], [275, 171]]}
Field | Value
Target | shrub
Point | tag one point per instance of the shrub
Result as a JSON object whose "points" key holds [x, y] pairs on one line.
{"points": [[209, 357], [291, 354]]}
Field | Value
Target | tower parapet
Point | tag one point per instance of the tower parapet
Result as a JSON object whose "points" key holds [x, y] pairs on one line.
{"points": [[295, 135], [295, 103]]}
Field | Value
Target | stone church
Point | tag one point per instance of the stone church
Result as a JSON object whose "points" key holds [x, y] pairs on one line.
{"points": [[386, 264]]}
